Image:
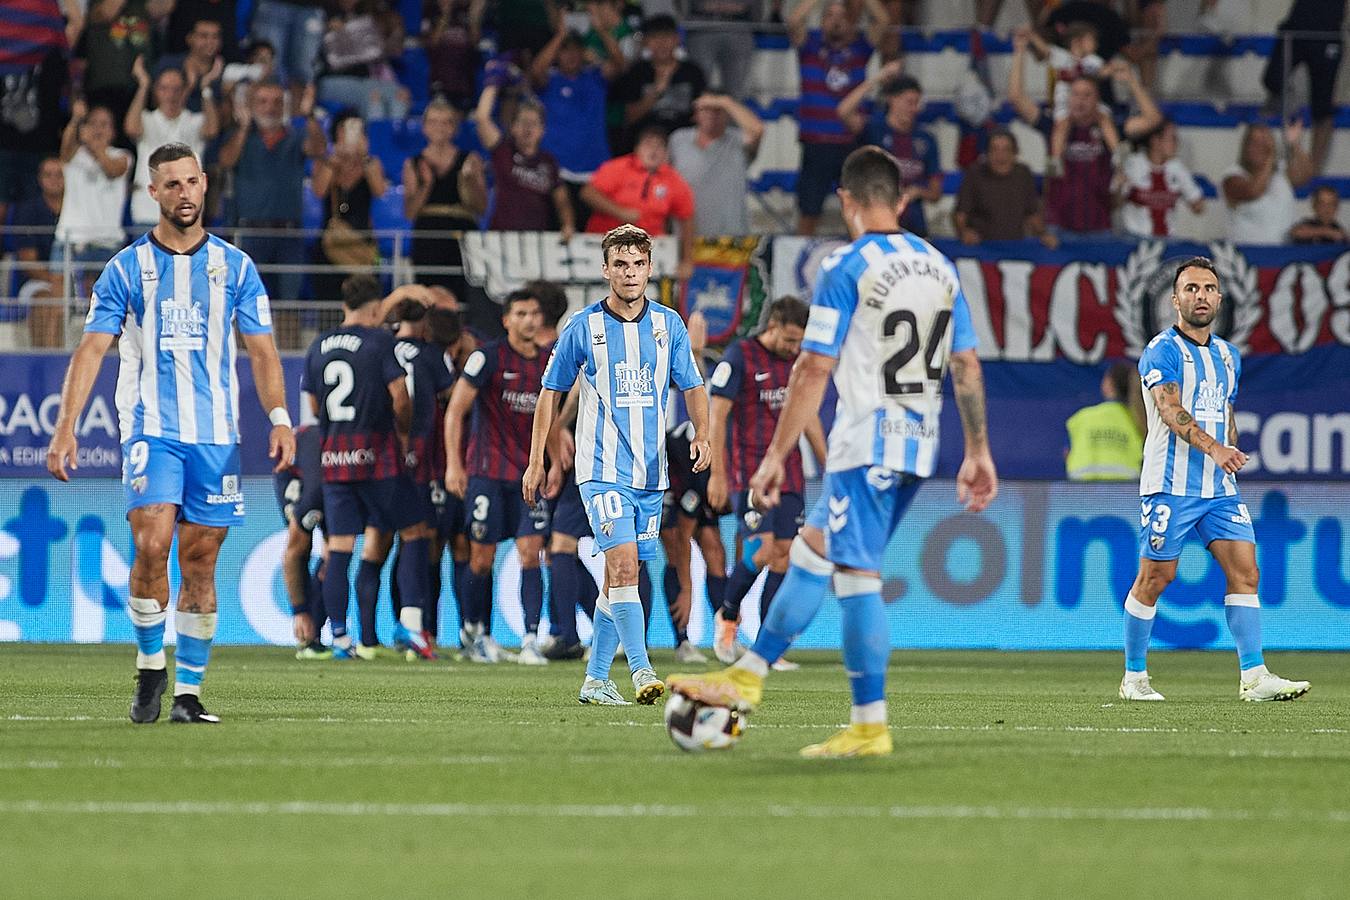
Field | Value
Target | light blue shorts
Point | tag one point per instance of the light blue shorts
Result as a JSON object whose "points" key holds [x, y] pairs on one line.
{"points": [[1165, 520], [858, 511], [623, 515], [202, 480]]}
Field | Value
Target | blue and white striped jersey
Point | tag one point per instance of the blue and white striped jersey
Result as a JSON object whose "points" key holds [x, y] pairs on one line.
{"points": [[175, 313], [889, 307], [626, 371], [1207, 377]]}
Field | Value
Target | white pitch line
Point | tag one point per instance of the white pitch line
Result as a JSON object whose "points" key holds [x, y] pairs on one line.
{"points": [[662, 811]]}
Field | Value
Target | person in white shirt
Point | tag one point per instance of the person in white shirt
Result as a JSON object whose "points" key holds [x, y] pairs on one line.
{"points": [[170, 122], [714, 156], [1260, 188], [89, 229], [1153, 182]]}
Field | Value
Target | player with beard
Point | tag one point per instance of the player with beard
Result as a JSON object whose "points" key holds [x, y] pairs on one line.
{"points": [[175, 296]]}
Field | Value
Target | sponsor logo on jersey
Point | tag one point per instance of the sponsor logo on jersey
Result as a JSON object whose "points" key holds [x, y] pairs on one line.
{"points": [[521, 401], [633, 385], [1210, 402], [181, 325], [1152, 377], [822, 325], [774, 398], [360, 456], [229, 493], [597, 338], [653, 529]]}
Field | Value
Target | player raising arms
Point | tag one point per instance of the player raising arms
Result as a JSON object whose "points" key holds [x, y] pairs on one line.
{"points": [[887, 317], [174, 296], [749, 386], [1190, 378], [627, 351]]}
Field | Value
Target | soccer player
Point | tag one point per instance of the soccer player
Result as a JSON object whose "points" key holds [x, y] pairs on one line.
{"points": [[175, 296], [887, 317], [359, 393], [1190, 379], [299, 490], [500, 384], [749, 387], [627, 352]]}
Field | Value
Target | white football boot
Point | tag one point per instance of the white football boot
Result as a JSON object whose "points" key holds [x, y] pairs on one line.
{"points": [[1135, 686], [1269, 686]]}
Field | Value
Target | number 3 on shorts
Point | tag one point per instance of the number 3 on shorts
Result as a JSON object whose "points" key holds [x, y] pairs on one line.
{"points": [[1161, 516], [608, 505], [480, 507]]}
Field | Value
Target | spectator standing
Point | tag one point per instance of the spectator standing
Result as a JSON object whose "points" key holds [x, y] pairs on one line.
{"points": [[574, 94], [642, 188], [169, 122], [268, 159], [451, 30], [660, 90], [1078, 60], [348, 182], [1260, 188], [1078, 183], [832, 60], [358, 48], [724, 42], [529, 193], [96, 173], [34, 250], [714, 157], [998, 200], [187, 13], [1310, 36], [1154, 181], [202, 65], [895, 127], [295, 29], [31, 122], [1323, 226], [116, 33], [444, 190]]}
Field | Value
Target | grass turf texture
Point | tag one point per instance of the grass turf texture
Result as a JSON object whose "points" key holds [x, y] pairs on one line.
{"points": [[1015, 775]]}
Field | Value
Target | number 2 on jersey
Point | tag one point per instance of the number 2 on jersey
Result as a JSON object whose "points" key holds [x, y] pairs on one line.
{"points": [[906, 372], [340, 376]]}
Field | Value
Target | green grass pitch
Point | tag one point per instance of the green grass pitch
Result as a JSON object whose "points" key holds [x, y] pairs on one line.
{"points": [[1015, 775]]}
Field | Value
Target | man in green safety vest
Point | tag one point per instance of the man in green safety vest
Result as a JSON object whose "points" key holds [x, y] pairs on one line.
{"points": [[1106, 441]]}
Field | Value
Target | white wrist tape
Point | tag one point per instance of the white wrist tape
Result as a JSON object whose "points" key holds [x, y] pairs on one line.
{"points": [[279, 416]]}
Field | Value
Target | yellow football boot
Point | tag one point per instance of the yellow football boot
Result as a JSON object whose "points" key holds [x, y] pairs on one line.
{"points": [[855, 740], [738, 689]]}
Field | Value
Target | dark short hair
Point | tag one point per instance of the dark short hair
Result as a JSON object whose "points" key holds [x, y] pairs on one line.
{"points": [[900, 85], [652, 129], [872, 176], [1004, 133], [789, 310], [408, 310], [167, 153], [443, 326], [358, 290], [552, 300], [207, 21], [519, 296], [1079, 29], [1194, 262], [1121, 375], [174, 70], [258, 43], [624, 236], [660, 24], [1326, 189], [573, 39]]}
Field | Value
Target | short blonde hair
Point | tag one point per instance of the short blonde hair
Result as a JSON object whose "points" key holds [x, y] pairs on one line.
{"points": [[626, 236]]}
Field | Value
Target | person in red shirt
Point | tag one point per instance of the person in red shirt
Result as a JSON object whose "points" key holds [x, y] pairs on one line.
{"points": [[644, 189]]}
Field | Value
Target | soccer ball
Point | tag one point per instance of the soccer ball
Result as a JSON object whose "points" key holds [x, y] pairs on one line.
{"points": [[695, 726]]}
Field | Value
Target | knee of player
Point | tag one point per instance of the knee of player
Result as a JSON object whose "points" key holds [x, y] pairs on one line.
{"points": [[778, 555], [563, 544], [481, 558], [1244, 577], [1151, 582], [153, 548]]}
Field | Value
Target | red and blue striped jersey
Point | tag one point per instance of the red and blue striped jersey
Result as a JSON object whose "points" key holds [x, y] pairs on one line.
{"points": [[827, 76], [427, 378], [755, 380], [1080, 199], [503, 413], [348, 370]]}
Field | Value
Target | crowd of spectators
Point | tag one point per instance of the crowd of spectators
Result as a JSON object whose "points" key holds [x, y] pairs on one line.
{"points": [[590, 116]]}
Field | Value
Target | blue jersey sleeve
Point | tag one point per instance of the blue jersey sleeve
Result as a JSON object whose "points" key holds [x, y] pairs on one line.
{"points": [[726, 377], [963, 332], [832, 306], [568, 356], [390, 368], [110, 300], [1160, 363], [252, 309], [684, 369], [1237, 375]]}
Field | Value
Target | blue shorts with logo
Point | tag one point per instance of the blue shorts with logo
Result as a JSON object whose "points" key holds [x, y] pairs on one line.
{"points": [[202, 480], [783, 520], [624, 515], [859, 510], [495, 511], [569, 513], [1165, 520], [388, 504], [299, 499], [448, 510]]}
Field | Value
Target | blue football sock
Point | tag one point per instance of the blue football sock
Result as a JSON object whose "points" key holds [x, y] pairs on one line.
{"points": [[1243, 612], [772, 582], [867, 639], [1138, 627], [717, 591], [562, 596], [477, 599], [626, 609], [532, 597], [147, 620], [336, 591], [367, 597], [431, 614], [644, 586], [396, 584], [604, 642], [411, 572], [737, 586], [195, 631], [460, 581], [590, 591], [670, 585], [804, 587], [314, 596]]}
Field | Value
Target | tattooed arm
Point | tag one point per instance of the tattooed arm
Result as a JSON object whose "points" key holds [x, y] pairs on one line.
{"points": [[977, 481], [1167, 397]]}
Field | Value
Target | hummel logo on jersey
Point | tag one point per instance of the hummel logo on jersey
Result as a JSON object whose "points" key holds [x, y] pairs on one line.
{"points": [[598, 338], [838, 507], [761, 376]]}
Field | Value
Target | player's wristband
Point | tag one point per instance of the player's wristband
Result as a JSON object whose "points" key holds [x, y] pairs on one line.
{"points": [[279, 416]]}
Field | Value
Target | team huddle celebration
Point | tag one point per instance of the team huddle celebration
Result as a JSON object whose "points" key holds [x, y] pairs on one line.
{"points": [[603, 425]]}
